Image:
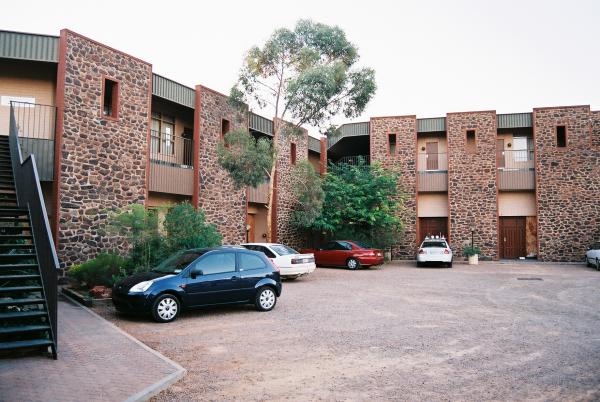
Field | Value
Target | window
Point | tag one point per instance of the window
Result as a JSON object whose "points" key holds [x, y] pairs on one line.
{"points": [[332, 245], [265, 251], [216, 263], [471, 145], [162, 137], [520, 146], [342, 245], [177, 262], [561, 136], [284, 250], [392, 144], [224, 127], [110, 98], [249, 262], [293, 153]]}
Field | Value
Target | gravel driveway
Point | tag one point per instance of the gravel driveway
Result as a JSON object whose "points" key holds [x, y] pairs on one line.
{"points": [[397, 332]]}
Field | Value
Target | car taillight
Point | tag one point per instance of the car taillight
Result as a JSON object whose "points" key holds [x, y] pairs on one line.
{"points": [[421, 251], [446, 251], [274, 265]]}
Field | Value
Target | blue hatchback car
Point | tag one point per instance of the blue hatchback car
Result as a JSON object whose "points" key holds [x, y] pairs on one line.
{"points": [[200, 277]]}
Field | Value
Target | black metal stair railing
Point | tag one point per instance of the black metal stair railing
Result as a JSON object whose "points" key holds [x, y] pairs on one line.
{"points": [[29, 196]]}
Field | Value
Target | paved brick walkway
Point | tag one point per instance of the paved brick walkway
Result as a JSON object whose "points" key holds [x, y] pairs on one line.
{"points": [[96, 362]]}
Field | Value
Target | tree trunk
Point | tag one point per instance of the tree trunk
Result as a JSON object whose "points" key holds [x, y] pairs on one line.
{"points": [[270, 199]]}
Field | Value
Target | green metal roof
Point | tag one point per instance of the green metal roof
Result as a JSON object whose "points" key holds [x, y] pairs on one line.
{"points": [[348, 130], [314, 144], [261, 124], [515, 120], [431, 125], [25, 46], [173, 91]]}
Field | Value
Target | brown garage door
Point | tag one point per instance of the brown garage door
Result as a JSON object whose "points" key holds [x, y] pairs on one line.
{"points": [[512, 237], [433, 227]]}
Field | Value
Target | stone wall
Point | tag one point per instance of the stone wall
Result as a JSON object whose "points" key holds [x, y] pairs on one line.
{"points": [[472, 190], [404, 163], [102, 161], [568, 201], [286, 201], [225, 205]]}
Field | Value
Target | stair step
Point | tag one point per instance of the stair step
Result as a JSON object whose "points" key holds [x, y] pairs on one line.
{"points": [[19, 329], [15, 246], [14, 237], [4, 211], [21, 302], [20, 289], [23, 314], [6, 257], [17, 277], [25, 344], [12, 219], [17, 266]]}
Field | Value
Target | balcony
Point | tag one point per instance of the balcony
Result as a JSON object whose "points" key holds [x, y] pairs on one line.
{"points": [[171, 164], [432, 169], [516, 170], [259, 194]]}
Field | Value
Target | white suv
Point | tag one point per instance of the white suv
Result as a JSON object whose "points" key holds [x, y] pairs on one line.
{"points": [[434, 249]]}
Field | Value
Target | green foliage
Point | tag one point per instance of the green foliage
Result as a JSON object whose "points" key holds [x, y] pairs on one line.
{"points": [[103, 270], [186, 228], [471, 250], [362, 202], [308, 191], [247, 160]]}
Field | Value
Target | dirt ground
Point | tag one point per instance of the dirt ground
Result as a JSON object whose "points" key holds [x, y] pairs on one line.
{"points": [[397, 332]]}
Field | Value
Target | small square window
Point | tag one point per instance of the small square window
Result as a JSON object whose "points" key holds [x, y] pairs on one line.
{"points": [[110, 99], [392, 144], [293, 153], [561, 136], [471, 145], [224, 127]]}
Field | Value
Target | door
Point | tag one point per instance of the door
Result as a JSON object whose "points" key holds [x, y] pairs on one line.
{"points": [[188, 145], [512, 237], [431, 148], [433, 227], [218, 283], [251, 269], [252, 225], [500, 158]]}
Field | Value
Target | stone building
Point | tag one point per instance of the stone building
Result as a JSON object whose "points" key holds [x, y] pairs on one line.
{"points": [[107, 132]]}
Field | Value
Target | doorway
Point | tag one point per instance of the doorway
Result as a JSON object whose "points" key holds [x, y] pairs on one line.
{"points": [[437, 226], [512, 237]]}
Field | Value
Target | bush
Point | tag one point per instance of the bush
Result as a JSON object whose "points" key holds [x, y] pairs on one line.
{"points": [[103, 270], [186, 228], [471, 250]]}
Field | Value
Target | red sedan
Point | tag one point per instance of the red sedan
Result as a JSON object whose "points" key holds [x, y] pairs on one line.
{"points": [[346, 253]]}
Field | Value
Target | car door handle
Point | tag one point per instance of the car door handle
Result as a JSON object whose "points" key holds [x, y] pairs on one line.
{"points": [[235, 278]]}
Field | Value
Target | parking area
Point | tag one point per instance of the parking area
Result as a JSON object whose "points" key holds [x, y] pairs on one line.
{"points": [[494, 331]]}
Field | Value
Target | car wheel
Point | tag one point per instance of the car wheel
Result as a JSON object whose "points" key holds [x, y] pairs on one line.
{"points": [[419, 264], [597, 264], [265, 299], [352, 264], [587, 262], [165, 308], [449, 265]]}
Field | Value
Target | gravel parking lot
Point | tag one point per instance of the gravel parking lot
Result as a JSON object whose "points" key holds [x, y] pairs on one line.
{"points": [[397, 332]]}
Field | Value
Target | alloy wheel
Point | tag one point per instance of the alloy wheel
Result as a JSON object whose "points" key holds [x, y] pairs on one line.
{"points": [[167, 308]]}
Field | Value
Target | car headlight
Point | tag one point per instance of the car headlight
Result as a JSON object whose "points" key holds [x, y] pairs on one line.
{"points": [[141, 287]]}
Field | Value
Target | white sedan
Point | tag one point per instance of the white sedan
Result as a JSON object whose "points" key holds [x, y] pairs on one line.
{"points": [[434, 250], [291, 263], [592, 256]]}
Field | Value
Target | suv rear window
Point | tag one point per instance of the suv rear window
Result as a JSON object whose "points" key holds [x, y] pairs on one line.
{"points": [[427, 244]]}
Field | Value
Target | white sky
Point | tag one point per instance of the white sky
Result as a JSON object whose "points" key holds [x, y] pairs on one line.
{"points": [[430, 57]]}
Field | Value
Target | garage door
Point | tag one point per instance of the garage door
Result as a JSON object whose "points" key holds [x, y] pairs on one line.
{"points": [[433, 227]]}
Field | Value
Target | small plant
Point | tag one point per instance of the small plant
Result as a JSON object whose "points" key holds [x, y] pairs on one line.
{"points": [[102, 270], [471, 250]]}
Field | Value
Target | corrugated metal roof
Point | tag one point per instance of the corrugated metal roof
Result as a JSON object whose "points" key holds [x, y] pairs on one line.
{"points": [[348, 130], [25, 46], [173, 91], [515, 120], [261, 124], [430, 125], [314, 144]]}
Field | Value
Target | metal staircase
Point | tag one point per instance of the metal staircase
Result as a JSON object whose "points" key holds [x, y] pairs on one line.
{"points": [[28, 263]]}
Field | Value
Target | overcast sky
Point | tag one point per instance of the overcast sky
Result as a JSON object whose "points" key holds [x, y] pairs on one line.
{"points": [[430, 57]]}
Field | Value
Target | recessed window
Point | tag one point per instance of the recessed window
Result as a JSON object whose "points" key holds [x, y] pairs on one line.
{"points": [[224, 127], [471, 142], [110, 98], [293, 153], [561, 136], [392, 144]]}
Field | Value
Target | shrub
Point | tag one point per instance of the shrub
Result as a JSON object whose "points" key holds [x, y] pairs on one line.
{"points": [[471, 250], [103, 270], [186, 228]]}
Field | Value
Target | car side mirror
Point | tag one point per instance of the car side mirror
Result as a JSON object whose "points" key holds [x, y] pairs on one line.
{"points": [[195, 273]]}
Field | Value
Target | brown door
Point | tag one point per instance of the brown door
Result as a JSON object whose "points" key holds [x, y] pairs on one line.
{"points": [[431, 148], [252, 228], [512, 237], [500, 162], [433, 227]]}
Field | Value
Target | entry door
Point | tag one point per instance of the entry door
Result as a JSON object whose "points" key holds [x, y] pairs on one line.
{"points": [[433, 227], [431, 148], [252, 230], [512, 237], [500, 159]]}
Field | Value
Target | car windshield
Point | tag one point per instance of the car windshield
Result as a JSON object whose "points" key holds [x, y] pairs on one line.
{"points": [[177, 262], [427, 244], [360, 244], [283, 250]]}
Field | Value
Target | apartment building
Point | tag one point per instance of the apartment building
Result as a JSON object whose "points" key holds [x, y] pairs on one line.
{"points": [[108, 132], [516, 185]]}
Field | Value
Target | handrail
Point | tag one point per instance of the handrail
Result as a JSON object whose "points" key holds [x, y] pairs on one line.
{"points": [[29, 195]]}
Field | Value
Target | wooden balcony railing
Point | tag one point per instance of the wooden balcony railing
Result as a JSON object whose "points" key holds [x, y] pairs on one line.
{"points": [[171, 164], [432, 169], [259, 194]]}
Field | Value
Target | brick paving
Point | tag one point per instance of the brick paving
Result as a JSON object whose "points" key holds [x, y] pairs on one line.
{"points": [[96, 362]]}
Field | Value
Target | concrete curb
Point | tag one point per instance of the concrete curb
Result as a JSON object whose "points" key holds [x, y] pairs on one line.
{"points": [[155, 388]]}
